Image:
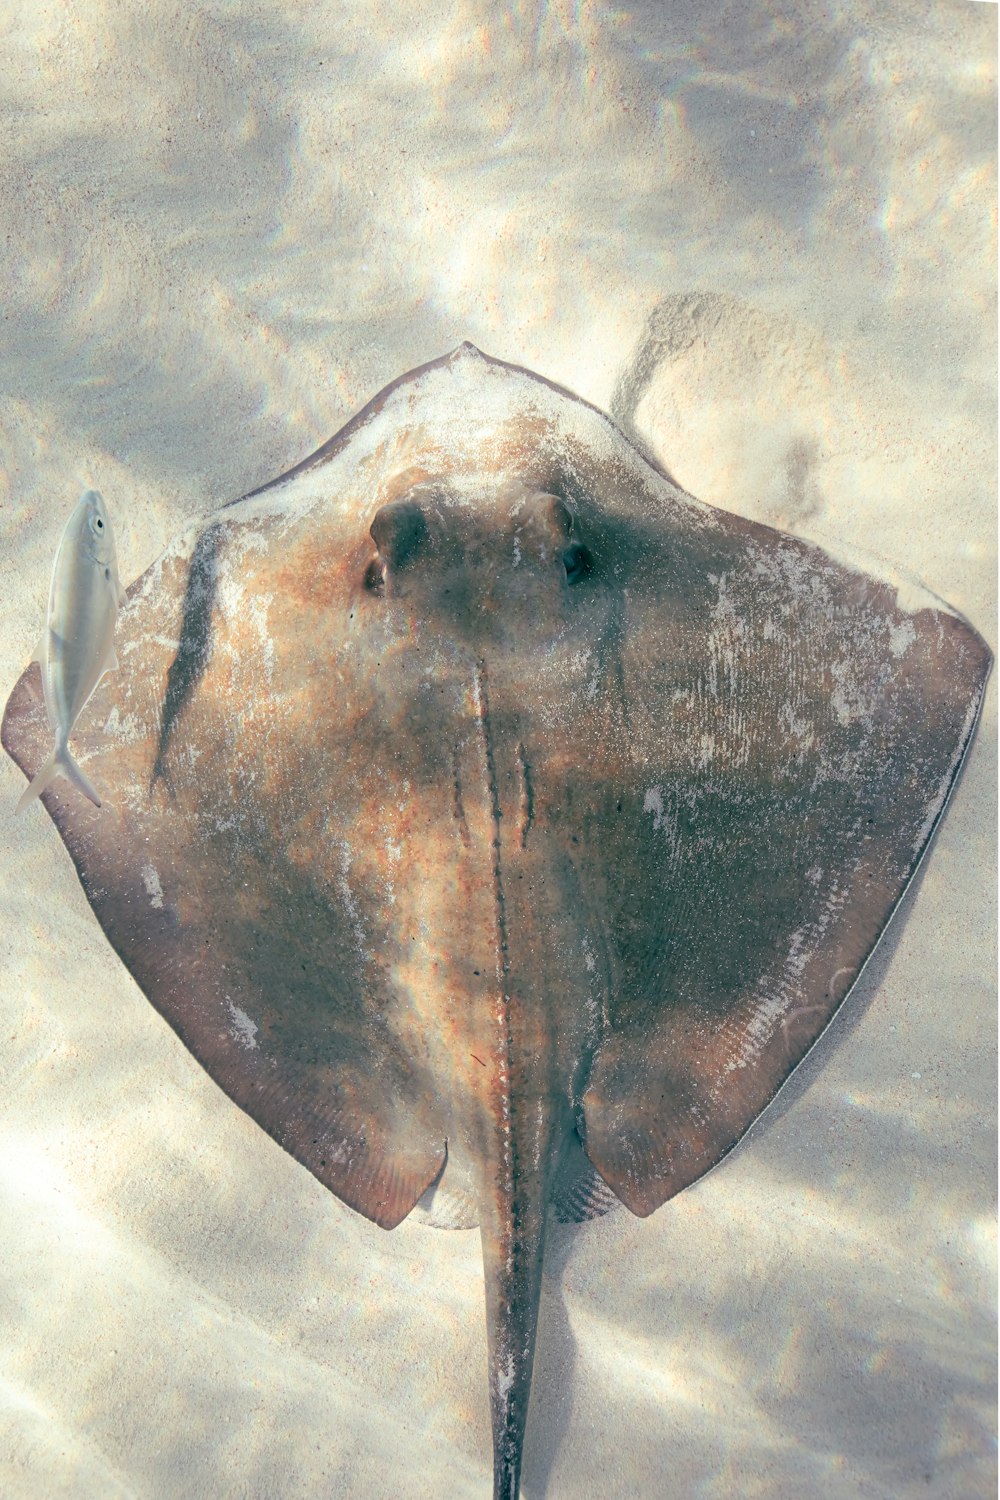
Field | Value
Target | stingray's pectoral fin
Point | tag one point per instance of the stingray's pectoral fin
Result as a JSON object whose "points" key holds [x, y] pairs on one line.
{"points": [[675, 1087], [669, 1098], [59, 763], [645, 1133], [378, 1167], [365, 1134]]}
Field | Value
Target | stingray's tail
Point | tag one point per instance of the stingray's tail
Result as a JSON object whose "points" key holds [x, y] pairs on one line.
{"points": [[512, 1225], [59, 763]]}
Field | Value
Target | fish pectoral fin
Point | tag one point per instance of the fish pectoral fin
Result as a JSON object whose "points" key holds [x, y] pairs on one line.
{"points": [[46, 773], [40, 650], [112, 664]]}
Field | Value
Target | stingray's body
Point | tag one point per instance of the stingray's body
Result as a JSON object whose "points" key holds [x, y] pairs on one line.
{"points": [[482, 811]]}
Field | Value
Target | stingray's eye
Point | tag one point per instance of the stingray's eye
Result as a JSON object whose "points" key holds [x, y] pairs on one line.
{"points": [[397, 531], [577, 561]]}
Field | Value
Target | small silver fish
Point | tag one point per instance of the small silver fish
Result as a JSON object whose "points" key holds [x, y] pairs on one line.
{"points": [[78, 644]]}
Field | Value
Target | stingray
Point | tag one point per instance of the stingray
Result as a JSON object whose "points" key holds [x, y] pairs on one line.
{"points": [[498, 825]]}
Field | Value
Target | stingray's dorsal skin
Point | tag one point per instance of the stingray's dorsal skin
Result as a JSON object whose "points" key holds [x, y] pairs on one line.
{"points": [[482, 811]]}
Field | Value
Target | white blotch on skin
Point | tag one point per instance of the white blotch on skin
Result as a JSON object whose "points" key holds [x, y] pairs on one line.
{"points": [[901, 637], [653, 803], [844, 700], [125, 728], [244, 1030], [258, 614], [154, 889], [505, 1378]]}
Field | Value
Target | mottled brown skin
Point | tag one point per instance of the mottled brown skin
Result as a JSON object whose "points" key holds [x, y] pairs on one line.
{"points": [[501, 805]]}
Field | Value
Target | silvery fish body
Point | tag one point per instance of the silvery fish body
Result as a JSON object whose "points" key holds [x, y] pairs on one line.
{"points": [[78, 644]]}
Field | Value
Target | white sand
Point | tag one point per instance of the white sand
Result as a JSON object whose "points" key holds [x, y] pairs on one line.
{"points": [[764, 240]]}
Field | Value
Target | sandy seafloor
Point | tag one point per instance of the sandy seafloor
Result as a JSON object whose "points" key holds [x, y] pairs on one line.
{"points": [[762, 236]]}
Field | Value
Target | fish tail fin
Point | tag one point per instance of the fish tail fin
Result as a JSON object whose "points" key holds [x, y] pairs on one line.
{"points": [[59, 763], [75, 776]]}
